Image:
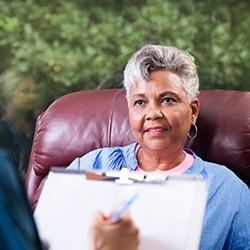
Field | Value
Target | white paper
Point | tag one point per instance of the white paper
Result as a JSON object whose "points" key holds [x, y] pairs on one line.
{"points": [[169, 216]]}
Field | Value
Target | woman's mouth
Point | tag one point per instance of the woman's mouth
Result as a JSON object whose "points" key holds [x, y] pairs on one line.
{"points": [[155, 130]]}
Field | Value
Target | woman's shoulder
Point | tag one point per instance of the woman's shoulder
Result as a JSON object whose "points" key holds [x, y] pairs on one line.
{"points": [[111, 151], [200, 165], [107, 158], [215, 169], [217, 175]]}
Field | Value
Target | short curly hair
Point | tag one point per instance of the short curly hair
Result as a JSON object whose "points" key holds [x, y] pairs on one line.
{"points": [[155, 57]]}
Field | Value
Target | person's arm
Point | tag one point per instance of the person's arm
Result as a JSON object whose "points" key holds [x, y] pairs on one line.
{"points": [[122, 234], [17, 225], [239, 237]]}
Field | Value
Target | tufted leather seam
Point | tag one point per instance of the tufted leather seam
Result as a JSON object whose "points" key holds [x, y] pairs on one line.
{"points": [[111, 114]]}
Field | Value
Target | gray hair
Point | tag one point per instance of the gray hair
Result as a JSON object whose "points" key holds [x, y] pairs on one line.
{"points": [[155, 57]]}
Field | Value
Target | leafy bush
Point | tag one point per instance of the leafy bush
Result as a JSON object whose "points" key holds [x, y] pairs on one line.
{"points": [[72, 45]]}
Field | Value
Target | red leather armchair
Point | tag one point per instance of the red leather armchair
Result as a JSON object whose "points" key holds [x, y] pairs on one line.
{"points": [[85, 120]]}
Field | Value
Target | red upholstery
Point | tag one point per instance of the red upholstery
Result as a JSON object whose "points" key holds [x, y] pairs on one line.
{"points": [[82, 121]]}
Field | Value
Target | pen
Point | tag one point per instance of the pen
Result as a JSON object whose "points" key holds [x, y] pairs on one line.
{"points": [[124, 207]]}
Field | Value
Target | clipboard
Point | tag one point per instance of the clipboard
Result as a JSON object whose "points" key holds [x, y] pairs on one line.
{"points": [[169, 210]]}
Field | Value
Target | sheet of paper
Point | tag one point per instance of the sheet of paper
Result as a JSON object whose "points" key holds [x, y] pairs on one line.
{"points": [[168, 215]]}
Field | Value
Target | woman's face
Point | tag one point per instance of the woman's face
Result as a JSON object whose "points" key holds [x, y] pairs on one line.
{"points": [[23, 97], [160, 113]]}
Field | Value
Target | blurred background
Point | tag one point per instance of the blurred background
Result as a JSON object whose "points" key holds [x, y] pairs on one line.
{"points": [[85, 44], [52, 47]]}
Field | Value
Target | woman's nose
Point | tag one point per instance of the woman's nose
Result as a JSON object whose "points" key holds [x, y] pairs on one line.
{"points": [[154, 113]]}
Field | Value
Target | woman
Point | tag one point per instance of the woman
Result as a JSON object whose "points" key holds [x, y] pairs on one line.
{"points": [[18, 121], [162, 89]]}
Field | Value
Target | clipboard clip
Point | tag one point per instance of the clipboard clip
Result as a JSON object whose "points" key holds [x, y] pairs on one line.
{"points": [[124, 176]]}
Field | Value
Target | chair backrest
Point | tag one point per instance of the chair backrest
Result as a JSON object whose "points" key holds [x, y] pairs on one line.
{"points": [[79, 122]]}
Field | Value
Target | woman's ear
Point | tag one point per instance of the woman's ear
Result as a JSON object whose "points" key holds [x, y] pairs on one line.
{"points": [[195, 108]]}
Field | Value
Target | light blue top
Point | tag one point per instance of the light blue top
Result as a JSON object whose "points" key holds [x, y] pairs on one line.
{"points": [[227, 219]]}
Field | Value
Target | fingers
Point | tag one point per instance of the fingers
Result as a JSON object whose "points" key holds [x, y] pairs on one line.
{"points": [[120, 234]]}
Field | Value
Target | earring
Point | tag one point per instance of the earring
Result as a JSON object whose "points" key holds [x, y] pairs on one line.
{"points": [[195, 133], [128, 135]]}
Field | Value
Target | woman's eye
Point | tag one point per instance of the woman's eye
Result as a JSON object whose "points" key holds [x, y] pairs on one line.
{"points": [[139, 102], [169, 100]]}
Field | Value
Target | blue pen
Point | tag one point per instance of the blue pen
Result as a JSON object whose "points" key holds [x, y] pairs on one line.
{"points": [[125, 206]]}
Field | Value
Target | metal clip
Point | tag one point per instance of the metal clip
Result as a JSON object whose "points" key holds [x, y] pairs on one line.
{"points": [[124, 177]]}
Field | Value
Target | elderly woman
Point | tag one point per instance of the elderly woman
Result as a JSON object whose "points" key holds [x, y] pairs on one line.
{"points": [[162, 89]]}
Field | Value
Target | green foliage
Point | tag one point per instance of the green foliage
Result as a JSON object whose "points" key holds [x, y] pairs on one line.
{"points": [[72, 45]]}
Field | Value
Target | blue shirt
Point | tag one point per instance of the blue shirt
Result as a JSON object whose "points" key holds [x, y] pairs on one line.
{"points": [[227, 218]]}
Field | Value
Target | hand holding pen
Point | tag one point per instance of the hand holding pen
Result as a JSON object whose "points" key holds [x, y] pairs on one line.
{"points": [[117, 214], [117, 231]]}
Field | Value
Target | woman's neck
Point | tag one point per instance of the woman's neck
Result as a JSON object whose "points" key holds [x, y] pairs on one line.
{"points": [[151, 160]]}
